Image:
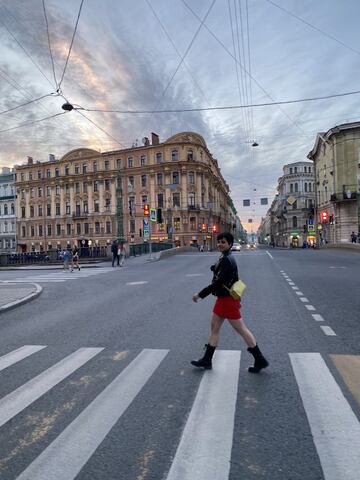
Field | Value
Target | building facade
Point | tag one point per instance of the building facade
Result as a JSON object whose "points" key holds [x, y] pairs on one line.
{"points": [[88, 198], [7, 211], [336, 157]]}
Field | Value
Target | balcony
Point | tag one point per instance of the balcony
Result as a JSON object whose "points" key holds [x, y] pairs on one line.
{"points": [[347, 196], [193, 208], [79, 216]]}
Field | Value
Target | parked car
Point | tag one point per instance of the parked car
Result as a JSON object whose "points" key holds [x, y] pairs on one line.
{"points": [[236, 247]]}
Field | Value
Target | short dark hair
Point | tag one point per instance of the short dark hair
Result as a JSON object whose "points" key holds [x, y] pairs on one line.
{"points": [[228, 237]]}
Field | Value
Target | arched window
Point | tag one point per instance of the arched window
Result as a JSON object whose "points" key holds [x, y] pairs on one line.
{"points": [[174, 155], [296, 187], [12, 209], [305, 186], [294, 222], [158, 157], [5, 209], [190, 155]]}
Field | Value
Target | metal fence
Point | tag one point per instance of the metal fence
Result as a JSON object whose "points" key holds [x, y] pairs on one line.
{"points": [[141, 248]]}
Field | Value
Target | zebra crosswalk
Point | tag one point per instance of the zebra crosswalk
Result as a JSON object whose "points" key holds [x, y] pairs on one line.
{"points": [[61, 276], [205, 447]]}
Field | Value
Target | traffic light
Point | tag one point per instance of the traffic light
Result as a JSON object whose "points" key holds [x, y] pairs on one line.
{"points": [[214, 229], [146, 210], [203, 227], [331, 219], [324, 217]]}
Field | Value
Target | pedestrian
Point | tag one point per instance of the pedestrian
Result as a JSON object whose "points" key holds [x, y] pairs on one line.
{"points": [[66, 259], [121, 254], [353, 237], [75, 258], [225, 273], [114, 251]]}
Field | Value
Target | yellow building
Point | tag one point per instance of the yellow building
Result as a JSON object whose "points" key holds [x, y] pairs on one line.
{"points": [[336, 157], [88, 198]]}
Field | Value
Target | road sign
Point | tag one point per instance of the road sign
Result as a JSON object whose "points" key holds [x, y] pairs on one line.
{"points": [[153, 214], [146, 228]]}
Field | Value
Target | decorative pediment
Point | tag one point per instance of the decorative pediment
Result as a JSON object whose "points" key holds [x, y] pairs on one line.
{"points": [[187, 137], [79, 153]]}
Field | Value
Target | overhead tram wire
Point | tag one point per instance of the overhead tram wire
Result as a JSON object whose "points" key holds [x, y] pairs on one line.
{"points": [[314, 27], [49, 44], [97, 126], [32, 122], [28, 103], [254, 79], [71, 44], [228, 107]]}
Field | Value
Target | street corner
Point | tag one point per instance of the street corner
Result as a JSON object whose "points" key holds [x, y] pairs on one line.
{"points": [[13, 295]]}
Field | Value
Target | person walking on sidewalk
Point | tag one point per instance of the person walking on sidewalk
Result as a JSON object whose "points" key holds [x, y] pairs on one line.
{"points": [[121, 254], [114, 251], [75, 258], [66, 259], [225, 273]]}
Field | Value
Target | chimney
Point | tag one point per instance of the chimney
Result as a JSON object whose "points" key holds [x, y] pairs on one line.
{"points": [[30, 160], [154, 138], [146, 141], [51, 157]]}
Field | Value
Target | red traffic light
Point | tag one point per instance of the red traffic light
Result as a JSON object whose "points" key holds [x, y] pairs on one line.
{"points": [[146, 210], [214, 228], [324, 216]]}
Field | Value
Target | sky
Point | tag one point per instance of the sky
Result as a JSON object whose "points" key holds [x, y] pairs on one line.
{"points": [[179, 54]]}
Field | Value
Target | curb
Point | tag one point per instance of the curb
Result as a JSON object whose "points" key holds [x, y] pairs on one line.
{"points": [[26, 299]]}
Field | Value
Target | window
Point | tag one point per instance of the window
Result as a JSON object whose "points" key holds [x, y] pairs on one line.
{"points": [[32, 231], [143, 181], [5, 209], [58, 229], [39, 192], [32, 213], [78, 228], [309, 169], [175, 178], [77, 209], [97, 227], [291, 187], [174, 155], [296, 187], [67, 188], [108, 227], [30, 176], [118, 163], [41, 231], [131, 226], [95, 169], [294, 222], [191, 178], [107, 165], [84, 167], [159, 178], [48, 210], [132, 205], [39, 174], [48, 173], [143, 160], [305, 169], [130, 162], [57, 172], [119, 182], [190, 155], [49, 230], [40, 211], [305, 186], [96, 206], [57, 189], [68, 211], [85, 187], [67, 170], [144, 199], [86, 229], [48, 191], [77, 187], [12, 209], [291, 170], [86, 207], [295, 169], [32, 193], [192, 223], [176, 199], [23, 231], [68, 229], [23, 194], [158, 157], [309, 187], [160, 200], [96, 185], [77, 169], [107, 184], [191, 199], [131, 182], [177, 223]]}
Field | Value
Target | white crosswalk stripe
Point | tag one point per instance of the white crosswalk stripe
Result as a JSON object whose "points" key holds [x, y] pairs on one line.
{"points": [[205, 448], [62, 276]]}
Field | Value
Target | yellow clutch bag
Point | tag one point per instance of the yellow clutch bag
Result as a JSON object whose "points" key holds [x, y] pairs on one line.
{"points": [[237, 289]]}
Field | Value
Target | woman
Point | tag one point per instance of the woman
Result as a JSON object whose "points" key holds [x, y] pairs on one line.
{"points": [[75, 258], [225, 274]]}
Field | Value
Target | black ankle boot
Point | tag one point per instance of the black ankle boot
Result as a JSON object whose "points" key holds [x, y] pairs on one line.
{"points": [[205, 361], [260, 360]]}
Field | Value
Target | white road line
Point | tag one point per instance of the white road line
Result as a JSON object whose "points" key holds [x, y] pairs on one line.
{"points": [[205, 447], [64, 457], [334, 426], [194, 274], [295, 288], [291, 282], [272, 258], [18, 354], [317, 317], [304, 299], [328, 330], [137, 283], [310, 307], [299, 293], [22, 397]]}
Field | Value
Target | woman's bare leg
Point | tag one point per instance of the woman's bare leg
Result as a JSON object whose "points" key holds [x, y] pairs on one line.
{"points": [[216, 323], [242, 330]]}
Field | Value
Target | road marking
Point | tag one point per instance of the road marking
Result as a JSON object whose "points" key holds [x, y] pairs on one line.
{"points": [[291, 282], [337, 267], [299, 293], [67, 454], [18, 354], [310, 307], [137, 283], [22, 397], [194, 274], [328, 330], [304, 299], [334, 426], [349, 367], [272, 258], [317, 317], [295, 288], [205, 447]]}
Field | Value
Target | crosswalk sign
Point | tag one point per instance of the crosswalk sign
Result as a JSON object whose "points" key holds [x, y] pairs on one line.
{"points": [[153, 214]]}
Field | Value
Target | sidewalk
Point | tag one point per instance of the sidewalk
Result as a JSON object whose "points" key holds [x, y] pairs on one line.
{"points": [[13, 295]]}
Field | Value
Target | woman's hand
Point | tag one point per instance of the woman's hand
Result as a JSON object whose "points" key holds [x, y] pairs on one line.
{"points": [[195, 297]]}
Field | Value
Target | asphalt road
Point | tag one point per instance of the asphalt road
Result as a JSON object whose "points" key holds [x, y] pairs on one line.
{"points": [[129, 404]]}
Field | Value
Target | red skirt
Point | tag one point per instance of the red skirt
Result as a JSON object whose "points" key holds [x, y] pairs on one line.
{"points": [[227, 307]]}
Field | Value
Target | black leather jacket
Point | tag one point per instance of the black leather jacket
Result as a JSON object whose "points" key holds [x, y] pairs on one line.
{"points": [[225, 273]]}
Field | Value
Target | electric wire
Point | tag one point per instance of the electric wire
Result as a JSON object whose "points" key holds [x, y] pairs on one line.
{"points": [[71, 44], [32, 122], [28, 103], [97, 126], [49, 44], [228, 107], [313, 27]]}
